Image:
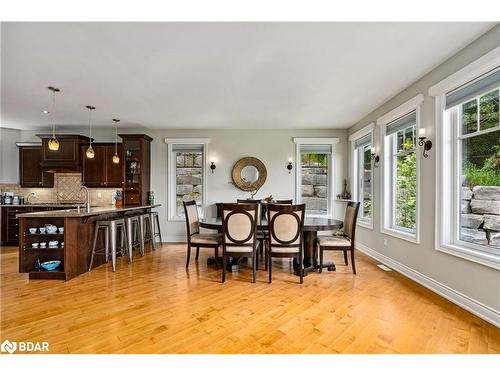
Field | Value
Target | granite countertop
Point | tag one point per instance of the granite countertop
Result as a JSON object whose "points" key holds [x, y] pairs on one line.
{"points": [[94, 211], [42, 205]]}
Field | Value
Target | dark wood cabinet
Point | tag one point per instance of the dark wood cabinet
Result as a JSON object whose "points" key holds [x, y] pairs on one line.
{"points": [[101, 171], [10, 225], [136, 168], [31, 174], [68, 157]]}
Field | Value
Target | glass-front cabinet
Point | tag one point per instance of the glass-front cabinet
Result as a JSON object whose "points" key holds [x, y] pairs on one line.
{"points": [[137, 168]]}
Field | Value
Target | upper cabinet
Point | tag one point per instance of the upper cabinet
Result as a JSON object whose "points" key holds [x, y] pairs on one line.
{"points": [[137, 168], [68, 157], [31, 173], [100, 171]]}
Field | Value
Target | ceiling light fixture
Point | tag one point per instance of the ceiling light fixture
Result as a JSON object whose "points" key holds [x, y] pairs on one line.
{"points": [[90, 153], [116, 158], [45, 112], [53, 142]]}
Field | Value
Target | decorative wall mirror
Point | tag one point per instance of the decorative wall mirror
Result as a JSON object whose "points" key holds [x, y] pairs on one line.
{"points": [[249, 174]]}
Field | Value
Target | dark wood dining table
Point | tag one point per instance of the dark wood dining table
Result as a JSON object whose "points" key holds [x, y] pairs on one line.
{"points": [[312, 225]]}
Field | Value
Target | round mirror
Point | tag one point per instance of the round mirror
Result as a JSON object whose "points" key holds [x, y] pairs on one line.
{"points": [[249, 174]]}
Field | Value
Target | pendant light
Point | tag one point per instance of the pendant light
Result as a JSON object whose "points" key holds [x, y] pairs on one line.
{"points": [[90, 151], [53, 142], [116, 158]]}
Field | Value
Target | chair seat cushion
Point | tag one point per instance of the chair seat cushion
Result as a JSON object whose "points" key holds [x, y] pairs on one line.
{"points": [[239, 249], [285, 250], [206, 239], [328, 241]]}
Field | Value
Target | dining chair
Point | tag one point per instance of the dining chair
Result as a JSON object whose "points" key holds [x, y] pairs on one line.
{"points": [[343, 243], [286, 224], [261, 233], [239, 239], [194, 237], [284, 201]]}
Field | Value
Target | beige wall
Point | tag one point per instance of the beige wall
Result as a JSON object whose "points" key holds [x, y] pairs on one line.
{"points": [[475, 281]]}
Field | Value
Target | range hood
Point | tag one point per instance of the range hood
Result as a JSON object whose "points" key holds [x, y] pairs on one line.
{"points": [[68, 158]]}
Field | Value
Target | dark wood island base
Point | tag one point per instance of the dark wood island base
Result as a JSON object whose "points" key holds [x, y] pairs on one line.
{"points": [[77, 237]]}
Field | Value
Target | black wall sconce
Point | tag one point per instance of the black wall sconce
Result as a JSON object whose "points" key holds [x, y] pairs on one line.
{"points": [[424, 141], [289, 166], [375, 157], [212, 166]]}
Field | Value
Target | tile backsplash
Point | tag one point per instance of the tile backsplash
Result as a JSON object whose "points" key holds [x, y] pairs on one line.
{"points": [[66, 189]]}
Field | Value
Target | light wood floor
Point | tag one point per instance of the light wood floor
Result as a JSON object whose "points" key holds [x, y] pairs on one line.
{"points": [[156, 306]]}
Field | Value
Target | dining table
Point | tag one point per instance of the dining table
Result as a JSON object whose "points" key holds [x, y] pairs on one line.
{"points": [[312, 225]]}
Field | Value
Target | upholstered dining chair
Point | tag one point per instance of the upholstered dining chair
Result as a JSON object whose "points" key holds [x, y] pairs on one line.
{"points": [[343, 243], [194, 237], [286, 224], [262, 233], [239, 234]]}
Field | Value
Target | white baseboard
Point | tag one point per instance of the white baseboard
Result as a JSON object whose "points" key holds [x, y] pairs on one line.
{"points": [[475, 307]]}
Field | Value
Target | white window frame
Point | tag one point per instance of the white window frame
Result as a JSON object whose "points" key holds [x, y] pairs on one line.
{"points": [[368, 129], [387, 186], [446, 167], [171, 193], [331, 179]]}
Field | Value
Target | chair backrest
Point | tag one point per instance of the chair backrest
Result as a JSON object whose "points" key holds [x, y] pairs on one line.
{"points": [[218, 208], [285, 223], [238, 224], [254, 201], [350, 218], [192, 219], [284, 201]]}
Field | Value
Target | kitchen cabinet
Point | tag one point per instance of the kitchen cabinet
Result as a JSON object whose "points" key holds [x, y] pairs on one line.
{"points": [[136, 168], [68, 157], [101, 171], [31, 173]]}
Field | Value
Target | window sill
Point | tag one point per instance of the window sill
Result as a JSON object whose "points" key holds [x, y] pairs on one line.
{"points": [[489, 260], [364, 224], [400, 234]]}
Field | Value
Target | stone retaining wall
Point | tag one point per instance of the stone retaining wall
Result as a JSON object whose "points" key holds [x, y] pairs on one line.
{"points": [[315, 189], [188, 179], [481, 215]]}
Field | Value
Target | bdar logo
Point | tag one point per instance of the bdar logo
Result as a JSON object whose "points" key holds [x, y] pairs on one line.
{"points": [[8, 347]]}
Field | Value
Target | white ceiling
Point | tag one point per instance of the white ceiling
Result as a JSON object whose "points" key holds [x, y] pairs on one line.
{"points": [[217, 75]]}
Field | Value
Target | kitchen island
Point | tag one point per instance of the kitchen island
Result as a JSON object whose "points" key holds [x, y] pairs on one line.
{"points": [[76, 233]]}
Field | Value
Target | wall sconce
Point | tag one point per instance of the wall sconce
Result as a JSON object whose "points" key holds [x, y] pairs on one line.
{"points": [[375, 157], [289, 166], [212, 166], [424, 141]]}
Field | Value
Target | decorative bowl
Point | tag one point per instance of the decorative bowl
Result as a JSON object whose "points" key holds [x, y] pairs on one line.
{"points": [[32, 230], [61, 229], [51, 265], [34, 244], [42, 229], [43, 244]]}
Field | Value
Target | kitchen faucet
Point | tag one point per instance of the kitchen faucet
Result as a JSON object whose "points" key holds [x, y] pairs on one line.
{"points": [[87, 200]]}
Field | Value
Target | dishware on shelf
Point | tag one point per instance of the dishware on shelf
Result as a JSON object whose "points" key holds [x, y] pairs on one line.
{"points": [[53, 243], [61, 229], [62, 244], [38, 265], [32, 230], [34, 245], [43, 244], [51, 265], [51, 228], [42, 229]]}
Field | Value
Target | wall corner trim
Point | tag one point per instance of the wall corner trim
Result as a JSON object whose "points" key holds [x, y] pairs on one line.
{"points": [[477, 308]]}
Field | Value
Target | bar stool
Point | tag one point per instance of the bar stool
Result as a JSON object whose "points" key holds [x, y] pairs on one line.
{"points": [[156, 226], [146, 223], [135, 236], [110, 230]]}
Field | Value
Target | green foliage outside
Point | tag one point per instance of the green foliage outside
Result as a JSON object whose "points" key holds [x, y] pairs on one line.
{"points": [[406, 187]]}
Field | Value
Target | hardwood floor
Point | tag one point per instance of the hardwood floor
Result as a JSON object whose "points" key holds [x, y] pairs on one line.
{"points": [[155, 306]]}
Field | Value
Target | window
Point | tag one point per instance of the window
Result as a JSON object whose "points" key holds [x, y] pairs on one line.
{"points": [[186, 176], [362, 174], [468, 161], [472, 167], [400, 191], [314, 175]]}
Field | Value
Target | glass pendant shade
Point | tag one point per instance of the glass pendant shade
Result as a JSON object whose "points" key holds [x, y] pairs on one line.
{"points": [[116, 158], [90, 153], [53, 144]]}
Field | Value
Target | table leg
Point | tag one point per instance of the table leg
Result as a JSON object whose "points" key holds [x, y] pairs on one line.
{"points": [[311, 262]]}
